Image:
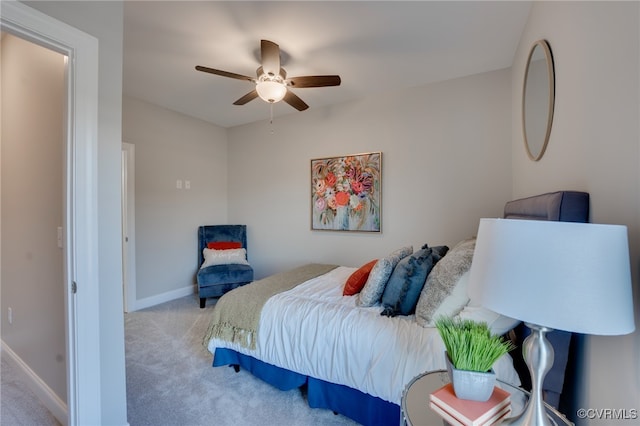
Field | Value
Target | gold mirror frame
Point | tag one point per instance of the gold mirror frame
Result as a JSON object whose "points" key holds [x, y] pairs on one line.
{"points": [[538, 100]]}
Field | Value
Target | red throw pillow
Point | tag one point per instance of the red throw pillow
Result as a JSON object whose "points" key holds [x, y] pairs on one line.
{"points": [[224, 245], [358, 279]]}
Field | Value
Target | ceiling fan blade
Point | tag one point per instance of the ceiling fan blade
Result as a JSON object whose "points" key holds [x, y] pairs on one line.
{"points": [[224, 73], [314, 81], [293, 100], [246, 98], [270, 57]]}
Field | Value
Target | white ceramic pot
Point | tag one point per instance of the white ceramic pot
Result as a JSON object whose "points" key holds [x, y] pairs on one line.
{"points": [[473, 385]]}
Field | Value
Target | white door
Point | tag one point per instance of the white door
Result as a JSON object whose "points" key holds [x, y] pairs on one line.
{"points": [[80, 211], [128, 227]]}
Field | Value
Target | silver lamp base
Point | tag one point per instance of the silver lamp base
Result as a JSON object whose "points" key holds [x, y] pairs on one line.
{"points": [[538, 354]]}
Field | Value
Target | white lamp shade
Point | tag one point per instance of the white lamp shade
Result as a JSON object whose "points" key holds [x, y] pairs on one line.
{"points": [[271, 91], [566, 276]]}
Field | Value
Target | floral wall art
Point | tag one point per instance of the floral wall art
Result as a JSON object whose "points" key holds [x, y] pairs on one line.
{"points": [[346, 193]]}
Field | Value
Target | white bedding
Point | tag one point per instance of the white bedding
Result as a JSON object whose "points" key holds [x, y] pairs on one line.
{"points": [[316, 331]]}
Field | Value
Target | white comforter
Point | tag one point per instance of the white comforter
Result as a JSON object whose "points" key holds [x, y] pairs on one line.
{"points": [[316, 331]]}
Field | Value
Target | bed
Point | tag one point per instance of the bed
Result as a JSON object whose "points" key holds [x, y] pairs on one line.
{"points": [[355, 356]]}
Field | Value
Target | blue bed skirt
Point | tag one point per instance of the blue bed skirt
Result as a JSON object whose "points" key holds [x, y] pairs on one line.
{"points": [[359, 406]]}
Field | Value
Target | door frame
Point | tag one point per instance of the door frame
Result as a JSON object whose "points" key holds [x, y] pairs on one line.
{"points": [[80, 220], [128, 227]]}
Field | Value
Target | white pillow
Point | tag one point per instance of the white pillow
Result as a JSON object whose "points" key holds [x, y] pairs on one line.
{"points": [[498, 324], [443, 280], [453, 303], [224, 257]]}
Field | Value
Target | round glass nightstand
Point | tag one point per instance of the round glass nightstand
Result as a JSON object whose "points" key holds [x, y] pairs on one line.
{"points": [[415, 410]]}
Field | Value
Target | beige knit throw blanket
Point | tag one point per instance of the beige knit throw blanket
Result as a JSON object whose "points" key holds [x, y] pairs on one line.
{"points": [[236, 314]]}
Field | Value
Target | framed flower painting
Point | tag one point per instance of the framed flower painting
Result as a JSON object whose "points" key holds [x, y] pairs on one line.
{"points": [[346, 193]]}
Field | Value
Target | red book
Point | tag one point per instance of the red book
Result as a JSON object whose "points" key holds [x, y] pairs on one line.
{"points": [[465, 412]]}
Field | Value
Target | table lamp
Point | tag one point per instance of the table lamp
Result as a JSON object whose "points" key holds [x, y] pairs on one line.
{"points": [[552, 275]]}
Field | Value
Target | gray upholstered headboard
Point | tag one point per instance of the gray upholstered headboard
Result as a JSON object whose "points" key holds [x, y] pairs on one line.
{"points": [[565, 206]]}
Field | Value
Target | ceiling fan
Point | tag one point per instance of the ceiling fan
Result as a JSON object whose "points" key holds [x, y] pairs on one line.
{"points": [[272, 84]]}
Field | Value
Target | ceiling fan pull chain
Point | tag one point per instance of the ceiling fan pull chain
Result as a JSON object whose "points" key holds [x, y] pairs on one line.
{"points": [[271, 118]]}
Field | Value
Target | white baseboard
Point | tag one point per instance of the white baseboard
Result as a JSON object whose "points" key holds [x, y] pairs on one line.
{"points": [[148, 302], [43, 392]]}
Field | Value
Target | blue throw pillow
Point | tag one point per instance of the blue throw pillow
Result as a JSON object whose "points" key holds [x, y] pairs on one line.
{"points": [[379, 275], [407, 279]]}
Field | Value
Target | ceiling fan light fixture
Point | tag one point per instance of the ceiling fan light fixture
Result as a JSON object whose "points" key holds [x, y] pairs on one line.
{"points": [[271, 82], [271, 91]]}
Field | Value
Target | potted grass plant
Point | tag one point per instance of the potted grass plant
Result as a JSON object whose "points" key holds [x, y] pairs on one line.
{"points": [[471, 351]]}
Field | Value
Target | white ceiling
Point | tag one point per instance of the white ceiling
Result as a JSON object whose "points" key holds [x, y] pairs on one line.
{"points": [[374, 46]]}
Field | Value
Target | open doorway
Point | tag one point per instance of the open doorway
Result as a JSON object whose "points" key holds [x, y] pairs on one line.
{"points": [[33, 84]]}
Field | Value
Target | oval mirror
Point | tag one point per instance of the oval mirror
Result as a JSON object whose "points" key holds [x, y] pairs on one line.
{"points": [[538, 95]]}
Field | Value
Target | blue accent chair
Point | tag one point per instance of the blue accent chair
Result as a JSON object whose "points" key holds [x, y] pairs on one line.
{"points": [[215, 280]]}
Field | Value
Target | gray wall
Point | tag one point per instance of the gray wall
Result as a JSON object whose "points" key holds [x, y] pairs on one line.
{"points": [[446, 162], [446, 151], [171, 147], [32, 206], [594, 148]]}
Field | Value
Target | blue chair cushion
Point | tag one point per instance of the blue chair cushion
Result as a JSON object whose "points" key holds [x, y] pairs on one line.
{"points": [[223, 274]]}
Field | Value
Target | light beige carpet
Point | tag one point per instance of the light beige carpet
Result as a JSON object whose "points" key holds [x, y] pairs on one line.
{"points": [[20, 406], [170, 380]]}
